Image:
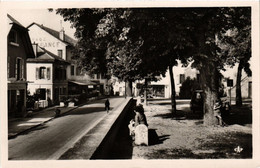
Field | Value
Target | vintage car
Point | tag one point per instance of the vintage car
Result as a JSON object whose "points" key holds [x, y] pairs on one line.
{"points": [[196, 103]]}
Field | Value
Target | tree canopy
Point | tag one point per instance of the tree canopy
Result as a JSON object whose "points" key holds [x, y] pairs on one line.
{"points": [[138, 43]]}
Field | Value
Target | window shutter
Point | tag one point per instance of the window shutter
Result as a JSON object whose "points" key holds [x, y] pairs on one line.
{"points": [[37, 73], [16, 68], [22, 69], [8, 67], [48, 73]]}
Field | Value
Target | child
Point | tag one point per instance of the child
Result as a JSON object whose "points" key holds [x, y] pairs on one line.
{"points": [[131, 127]]}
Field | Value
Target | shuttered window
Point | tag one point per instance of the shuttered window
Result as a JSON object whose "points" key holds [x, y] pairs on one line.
{"points": [[19, 69], [48, 74], [37, 73]]}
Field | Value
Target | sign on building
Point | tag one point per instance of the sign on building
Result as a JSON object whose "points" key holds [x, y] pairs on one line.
{"points": [[230, 82]]}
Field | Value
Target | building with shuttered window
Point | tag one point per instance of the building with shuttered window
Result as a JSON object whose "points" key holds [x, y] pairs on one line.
{"points": [[60, 44], [47, 76]]}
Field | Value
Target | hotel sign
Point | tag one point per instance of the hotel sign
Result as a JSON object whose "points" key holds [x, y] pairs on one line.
{"points": [[43, 43]]}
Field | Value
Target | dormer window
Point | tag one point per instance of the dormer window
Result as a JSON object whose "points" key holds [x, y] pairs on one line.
{"points": [[12, 38], [60, 53]]}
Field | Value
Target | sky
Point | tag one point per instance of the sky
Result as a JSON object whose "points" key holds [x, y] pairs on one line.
{"points": [[41, 16]]}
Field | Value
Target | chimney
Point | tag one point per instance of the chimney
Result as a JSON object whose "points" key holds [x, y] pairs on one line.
{"points": [[35, 49], [62, 32]]}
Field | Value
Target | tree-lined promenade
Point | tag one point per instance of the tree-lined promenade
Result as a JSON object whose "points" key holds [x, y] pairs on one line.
{"points": [[142, 43]]}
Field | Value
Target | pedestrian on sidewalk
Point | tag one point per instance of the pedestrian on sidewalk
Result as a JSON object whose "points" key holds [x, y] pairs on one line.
{"points": [[107, 105]]}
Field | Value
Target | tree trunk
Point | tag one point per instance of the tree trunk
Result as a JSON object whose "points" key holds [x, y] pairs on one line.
{"points": [[238, 86], [210, 83], [128, 88], [173, 101]]}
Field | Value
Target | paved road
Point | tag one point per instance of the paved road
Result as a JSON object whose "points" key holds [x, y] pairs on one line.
{"points": [[52, 139]]}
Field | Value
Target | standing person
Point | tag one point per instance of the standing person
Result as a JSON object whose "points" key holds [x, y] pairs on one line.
{"points": [[107, 104], [217, 112], [140, 117]]}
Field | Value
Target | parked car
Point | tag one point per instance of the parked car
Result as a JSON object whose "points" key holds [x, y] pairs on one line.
{"points": [[196, 103], [225, 107]]}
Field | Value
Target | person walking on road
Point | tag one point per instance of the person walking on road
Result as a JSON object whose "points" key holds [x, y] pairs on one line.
{"points": [[107, 104]]}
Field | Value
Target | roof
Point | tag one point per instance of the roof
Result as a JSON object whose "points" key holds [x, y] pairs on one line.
{"points": [[55, 33], [15, 21], [46, 56]]}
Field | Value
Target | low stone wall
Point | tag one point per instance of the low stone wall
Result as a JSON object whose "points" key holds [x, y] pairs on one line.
{"points": [[98, 141], [103, 150]]}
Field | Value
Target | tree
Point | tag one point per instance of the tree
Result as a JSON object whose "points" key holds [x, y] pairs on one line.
{"points": [[131, 47], [237, 45], [212, 24]]}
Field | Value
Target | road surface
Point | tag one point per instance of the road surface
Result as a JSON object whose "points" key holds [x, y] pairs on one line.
{"points": [[51, 140]]}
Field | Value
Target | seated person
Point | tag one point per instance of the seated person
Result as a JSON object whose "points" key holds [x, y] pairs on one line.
{"points": [[140, 117]]}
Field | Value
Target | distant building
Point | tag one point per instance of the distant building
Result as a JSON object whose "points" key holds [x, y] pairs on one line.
{"points": [[58, 43], [47, 77], [19, 49], [246, 82], [182, 73]]}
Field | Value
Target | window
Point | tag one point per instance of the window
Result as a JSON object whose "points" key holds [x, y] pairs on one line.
{"points": [[78, 71], [98, 75], [198, 77], [60, 53], [103, 76], [12, 36], [72, 70], [48, 74], [19, 69], [8, 67], [64, 90], [92, 76], [182, 78], [61, 91], [41, 94], [42, 73]]}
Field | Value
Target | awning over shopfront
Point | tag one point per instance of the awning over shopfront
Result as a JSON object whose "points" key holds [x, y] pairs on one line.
{"points": [[84, 83]]}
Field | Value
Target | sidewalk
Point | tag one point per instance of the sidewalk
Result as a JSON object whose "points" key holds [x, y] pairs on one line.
{"points": [[17, 126]]}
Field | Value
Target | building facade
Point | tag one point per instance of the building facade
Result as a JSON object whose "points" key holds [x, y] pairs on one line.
{"points": [[47, 77], [182, 73], [19, 49], [58, 43]]}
